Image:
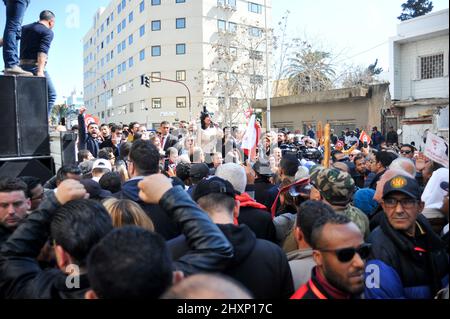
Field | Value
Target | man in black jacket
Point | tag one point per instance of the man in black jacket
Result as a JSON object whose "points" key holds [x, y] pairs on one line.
{"points": [[75, 225], [410, 259], [14, 206], [251, 213], [167, 139], [149, 270], [261, 266], [88, 139], [144, 161]]}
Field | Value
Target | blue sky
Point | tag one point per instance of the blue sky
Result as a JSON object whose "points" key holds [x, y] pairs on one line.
{"points": [[348, 27]]}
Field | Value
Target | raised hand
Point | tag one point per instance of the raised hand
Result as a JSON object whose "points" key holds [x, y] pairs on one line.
{"points": [[153, 187]]}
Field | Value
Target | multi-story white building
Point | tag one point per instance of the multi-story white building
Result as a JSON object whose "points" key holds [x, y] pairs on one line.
{"points": [[419, 77], [216, 48]]}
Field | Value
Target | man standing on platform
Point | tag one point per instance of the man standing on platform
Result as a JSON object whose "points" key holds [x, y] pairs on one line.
{"points": [[34, 46], [15, 10]]}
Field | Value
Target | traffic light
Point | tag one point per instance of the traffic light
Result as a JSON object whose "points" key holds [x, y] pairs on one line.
{"points": [[145, 80]]}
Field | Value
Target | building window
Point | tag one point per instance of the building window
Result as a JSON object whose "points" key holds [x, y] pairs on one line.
{"points": [[156, 2], [254, 7], [255, 32], [142, 30], [256, 55], [181, 23], [124, 66], [181, 48], [142, 6], [156, 25], [181, 102], [156, 77], [124, 24], [232, 3], [131, 107], [256, 79], [221, 3], [142, 55], [130, 17], [432, 66], [156, 103], [221, 25], [181, 75], [232, 27], [156, 50], [130, 39], [180, 1], [233, 51], [130, 62]]}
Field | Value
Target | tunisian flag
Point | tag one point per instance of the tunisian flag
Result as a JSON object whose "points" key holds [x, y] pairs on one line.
{"points": [[251, 138], [364, 137]]}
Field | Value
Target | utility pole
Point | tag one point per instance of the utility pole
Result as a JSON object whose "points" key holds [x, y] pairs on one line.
{"points": [[267, 68]]}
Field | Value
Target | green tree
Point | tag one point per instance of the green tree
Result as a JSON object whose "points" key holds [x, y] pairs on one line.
{"points": [[310, 70], [415, 8]]}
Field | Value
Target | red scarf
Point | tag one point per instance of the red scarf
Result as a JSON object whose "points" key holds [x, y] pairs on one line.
{"points": [[247, 201], [332, 291]]}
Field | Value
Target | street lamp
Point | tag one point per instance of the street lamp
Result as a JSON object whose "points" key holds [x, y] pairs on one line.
{"points": [[145, 80]]}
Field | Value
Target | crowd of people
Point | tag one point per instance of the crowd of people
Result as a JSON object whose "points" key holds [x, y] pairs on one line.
{"points": [[183, 212]]}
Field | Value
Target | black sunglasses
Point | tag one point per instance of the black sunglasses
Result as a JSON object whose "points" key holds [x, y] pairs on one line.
{"points": [[405, 152], [346, 254]]}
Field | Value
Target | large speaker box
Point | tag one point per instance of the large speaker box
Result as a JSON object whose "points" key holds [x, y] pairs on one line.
{"points": [[41, 167], [24, 119]]}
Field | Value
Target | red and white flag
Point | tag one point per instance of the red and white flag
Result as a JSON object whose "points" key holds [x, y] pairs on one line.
{"points": [[364, 137], [251, 138]]}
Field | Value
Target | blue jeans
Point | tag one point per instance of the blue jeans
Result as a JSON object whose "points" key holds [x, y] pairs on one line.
{"points": [[50, 87], [15, 10]]}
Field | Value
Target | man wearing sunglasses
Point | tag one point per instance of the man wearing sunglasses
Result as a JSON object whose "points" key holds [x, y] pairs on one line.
{"points": [[339, 252], [407, 151], [408, 260]]}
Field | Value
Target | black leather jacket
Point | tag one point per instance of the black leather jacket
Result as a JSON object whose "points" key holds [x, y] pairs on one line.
{"points": [[21, 276], [210, 250]]}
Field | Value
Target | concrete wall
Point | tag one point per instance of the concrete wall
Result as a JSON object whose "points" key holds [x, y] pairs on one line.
{"points": [[361, 106], [410, 83], [422, 36]]}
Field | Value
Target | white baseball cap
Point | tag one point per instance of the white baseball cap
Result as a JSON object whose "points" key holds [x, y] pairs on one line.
{"points": [[102, 163]]}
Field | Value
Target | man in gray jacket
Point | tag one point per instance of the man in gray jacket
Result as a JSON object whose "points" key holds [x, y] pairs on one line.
{"points": [[301, 260]]}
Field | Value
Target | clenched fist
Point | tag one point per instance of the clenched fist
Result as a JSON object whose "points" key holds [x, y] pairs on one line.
{"points": [[69, 190], [153, 187]]}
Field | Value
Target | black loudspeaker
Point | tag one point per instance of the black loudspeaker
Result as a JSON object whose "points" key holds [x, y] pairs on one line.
{"points": [[68, 147], [24, 120], [41, 167]]}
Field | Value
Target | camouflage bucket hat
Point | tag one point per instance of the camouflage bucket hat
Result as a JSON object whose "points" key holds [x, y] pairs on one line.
{"points": [[336, 187]]}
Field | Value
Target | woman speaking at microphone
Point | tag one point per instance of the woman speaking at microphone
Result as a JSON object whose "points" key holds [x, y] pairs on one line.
{"points": [[208, 136]]}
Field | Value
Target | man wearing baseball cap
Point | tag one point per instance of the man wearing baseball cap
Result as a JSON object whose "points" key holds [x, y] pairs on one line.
{"points": [[336, 188], [408, 260], [261, 266]]}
